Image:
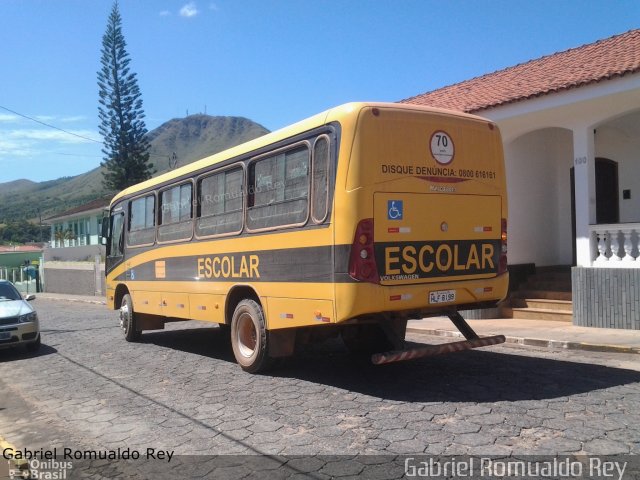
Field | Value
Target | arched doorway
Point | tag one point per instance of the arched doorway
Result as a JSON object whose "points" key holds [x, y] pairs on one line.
{"points": [[537, 165]]}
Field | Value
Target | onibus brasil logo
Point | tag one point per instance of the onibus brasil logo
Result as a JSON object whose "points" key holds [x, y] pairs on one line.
{"points": [[36, 469]]}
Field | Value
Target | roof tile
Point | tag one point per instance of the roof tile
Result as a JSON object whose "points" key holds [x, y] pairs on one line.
{"points": [[605, 59]]}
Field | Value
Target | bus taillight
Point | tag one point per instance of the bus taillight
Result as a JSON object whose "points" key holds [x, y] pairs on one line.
{"points": [[502, 267], [362, 261]]}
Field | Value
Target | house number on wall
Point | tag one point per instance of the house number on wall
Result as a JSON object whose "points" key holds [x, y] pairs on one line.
{"points": [[580, 160]]}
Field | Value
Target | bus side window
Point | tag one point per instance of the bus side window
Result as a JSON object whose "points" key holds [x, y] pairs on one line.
{"points": [[220, 199], [320, 186], [176, 212], [142, 221], [279, 190]]}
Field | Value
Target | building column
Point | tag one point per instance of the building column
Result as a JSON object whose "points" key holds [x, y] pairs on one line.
{"points": [[585, 191]]}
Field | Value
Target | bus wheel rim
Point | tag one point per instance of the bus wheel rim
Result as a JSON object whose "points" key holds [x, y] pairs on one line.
{"points": [[124, 317], [247, 335]]}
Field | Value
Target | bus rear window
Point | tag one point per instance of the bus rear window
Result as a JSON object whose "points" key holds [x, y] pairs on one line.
{"points": [[320, 203]]}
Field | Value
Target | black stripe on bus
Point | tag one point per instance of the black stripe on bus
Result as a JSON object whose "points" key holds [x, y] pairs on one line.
{"points": [[435, 259], [396, 261], [303, 265]]}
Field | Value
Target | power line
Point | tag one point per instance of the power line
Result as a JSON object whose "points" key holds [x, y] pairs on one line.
{"points": [[69, 133], [49, 125], [100, 156], [77, 155]]}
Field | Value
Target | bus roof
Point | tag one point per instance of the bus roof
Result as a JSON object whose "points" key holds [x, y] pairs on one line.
{"points": [[323, 118]]}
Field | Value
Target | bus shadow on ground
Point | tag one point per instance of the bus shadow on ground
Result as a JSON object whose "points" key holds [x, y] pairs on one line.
{"points": [[207, 341], [470, 376]]}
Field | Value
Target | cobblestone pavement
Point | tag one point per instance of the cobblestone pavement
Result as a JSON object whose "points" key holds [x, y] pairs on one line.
{"points": [[180, 391]]}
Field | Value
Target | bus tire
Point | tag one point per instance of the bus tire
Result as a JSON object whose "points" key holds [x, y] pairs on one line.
{"points": [[249, 337], [128, 322]]}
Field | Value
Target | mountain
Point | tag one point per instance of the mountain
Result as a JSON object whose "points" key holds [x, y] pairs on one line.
{"points": [[18, 185], [199, 136], [190, 138]]}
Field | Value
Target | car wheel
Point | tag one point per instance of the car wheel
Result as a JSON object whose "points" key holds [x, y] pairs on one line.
{"points": [[128, 322], [249, 337], [34, 346]]}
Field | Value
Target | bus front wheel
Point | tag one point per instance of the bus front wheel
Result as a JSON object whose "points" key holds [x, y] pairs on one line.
{"points": [[128, 322], [249, 337]]}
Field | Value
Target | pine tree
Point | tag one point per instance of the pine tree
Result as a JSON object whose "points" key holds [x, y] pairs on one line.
{"points": [[122, 126]]}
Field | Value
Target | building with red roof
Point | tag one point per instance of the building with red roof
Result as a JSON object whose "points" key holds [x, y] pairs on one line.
{"points": [[597, 62], [570, 123]]}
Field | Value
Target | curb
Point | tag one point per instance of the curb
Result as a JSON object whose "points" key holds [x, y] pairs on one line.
{"points": [[536, 342], [567, 345], [73, 299]]}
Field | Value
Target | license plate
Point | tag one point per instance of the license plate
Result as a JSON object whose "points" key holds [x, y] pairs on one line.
{"points": [[5, 335], [442, 296]]}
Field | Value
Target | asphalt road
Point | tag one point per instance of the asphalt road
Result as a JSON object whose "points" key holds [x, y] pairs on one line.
{"points": [[323, 413]]}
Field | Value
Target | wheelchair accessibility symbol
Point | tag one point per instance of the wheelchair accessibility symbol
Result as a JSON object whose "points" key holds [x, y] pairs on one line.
{"points": [[394, 209]]}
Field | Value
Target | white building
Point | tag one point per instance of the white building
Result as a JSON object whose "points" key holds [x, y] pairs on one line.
{"points": [[76, 233], [570, 123]]}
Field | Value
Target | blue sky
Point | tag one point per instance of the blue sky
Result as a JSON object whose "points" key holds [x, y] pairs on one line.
{"points": [[274, 62]]}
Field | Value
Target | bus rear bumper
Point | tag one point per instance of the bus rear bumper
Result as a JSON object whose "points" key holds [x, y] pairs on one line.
{"points": [[432, 350], [472, 341]]}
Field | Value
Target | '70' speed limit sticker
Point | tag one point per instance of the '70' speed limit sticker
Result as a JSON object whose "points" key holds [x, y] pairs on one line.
{"points": [[442, 148]]}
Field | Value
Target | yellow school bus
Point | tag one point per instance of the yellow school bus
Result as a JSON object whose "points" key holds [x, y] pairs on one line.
{"points": [[350, 222]]}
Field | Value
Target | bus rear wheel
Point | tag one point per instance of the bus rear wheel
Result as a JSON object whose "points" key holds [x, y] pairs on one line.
{"points": [[249, 337], [128, 322]]}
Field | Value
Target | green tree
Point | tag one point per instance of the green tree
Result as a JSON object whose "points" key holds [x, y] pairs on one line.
{"points": [[122, 126], [22, 231], [62, 235]]}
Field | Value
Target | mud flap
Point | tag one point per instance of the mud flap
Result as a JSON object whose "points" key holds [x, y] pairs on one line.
{"points": [[282, 342]]}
